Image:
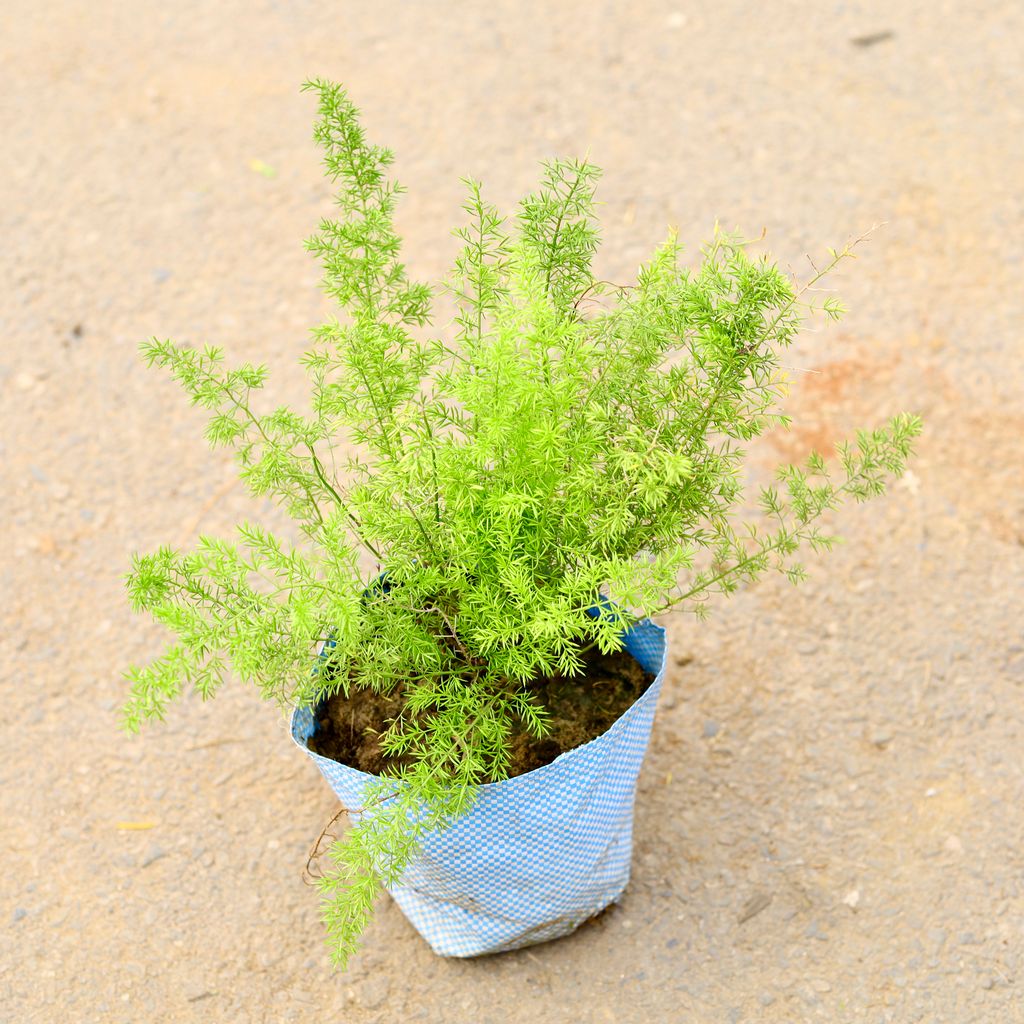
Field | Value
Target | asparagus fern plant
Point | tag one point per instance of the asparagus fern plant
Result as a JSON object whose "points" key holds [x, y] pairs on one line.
{"points": [[563, 439]]}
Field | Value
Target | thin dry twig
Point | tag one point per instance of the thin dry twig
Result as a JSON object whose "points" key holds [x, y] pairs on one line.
{"points": [[308, 875]]}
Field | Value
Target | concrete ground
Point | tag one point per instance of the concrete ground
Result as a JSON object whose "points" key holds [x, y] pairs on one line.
{"points": [[830, 822]]}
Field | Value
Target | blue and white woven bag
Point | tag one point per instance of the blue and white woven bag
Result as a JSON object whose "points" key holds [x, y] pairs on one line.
{"points": [[536, 855]]}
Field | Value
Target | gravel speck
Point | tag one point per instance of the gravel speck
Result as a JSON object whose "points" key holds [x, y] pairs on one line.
{"points": [[374, 991]]}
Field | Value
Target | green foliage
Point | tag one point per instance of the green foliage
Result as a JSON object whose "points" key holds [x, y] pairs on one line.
{"points": [[572, 439]]}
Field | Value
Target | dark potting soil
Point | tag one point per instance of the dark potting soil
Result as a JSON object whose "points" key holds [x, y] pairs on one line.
{"points": [[580, 709]]}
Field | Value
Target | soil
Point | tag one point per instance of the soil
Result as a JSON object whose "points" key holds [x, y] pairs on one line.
{"points": [[580, 709]]}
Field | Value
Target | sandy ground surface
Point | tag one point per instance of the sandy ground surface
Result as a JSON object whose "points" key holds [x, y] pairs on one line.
{"points": [[830, 822]]}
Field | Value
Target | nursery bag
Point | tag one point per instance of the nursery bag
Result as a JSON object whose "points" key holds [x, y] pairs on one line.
{"points": [[536, 855]]}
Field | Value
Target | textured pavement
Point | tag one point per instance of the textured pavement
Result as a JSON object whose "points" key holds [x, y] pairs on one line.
{"points": [[830, 822]]}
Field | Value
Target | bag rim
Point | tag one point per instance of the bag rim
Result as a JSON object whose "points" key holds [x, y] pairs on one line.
{"points": [[651, 693]]}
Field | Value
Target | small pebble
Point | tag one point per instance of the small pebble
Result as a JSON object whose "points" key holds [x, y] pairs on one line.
{"points": [[153, 854], [19, 914], [196, 990], [808, 995], [758, 901], [710, 729]]}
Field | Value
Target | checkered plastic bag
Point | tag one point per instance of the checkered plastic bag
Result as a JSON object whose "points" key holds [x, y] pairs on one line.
{"points": [[536, 855]]}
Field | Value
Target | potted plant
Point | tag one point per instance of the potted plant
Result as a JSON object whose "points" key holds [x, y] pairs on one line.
{"points": [[461, 622]]}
